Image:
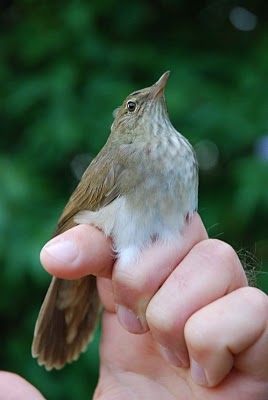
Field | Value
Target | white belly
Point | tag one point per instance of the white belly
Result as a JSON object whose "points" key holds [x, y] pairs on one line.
{"points": [[134, 222]]}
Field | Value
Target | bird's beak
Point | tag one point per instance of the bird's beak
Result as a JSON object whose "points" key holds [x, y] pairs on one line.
{"points": [[159, 86]]}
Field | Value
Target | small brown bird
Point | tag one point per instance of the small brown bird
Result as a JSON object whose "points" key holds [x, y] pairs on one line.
{"points": [[142, 185]]}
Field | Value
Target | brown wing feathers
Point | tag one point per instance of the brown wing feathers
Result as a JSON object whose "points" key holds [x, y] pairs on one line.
{"points": [[70, 310]]}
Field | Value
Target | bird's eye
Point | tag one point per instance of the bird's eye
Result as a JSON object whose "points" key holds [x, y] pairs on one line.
{"points": [[131, 106]]}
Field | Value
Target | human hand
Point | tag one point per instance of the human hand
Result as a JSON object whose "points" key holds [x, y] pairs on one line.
{"points": [[14, 387], [203, 331]]}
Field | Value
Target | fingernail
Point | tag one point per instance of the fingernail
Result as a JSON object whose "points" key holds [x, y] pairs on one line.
{"points": [[198, 374], [129, 320], [63, 250], [170, 357]]}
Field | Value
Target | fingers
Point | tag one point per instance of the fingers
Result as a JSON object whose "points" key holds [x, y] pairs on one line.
{"points": [[135, 285], [77, 252], [13, 386], [85, 250], [210, 271], [229, 333]]}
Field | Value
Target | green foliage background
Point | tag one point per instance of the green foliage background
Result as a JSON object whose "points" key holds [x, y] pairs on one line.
{"points": [[64, 67]]}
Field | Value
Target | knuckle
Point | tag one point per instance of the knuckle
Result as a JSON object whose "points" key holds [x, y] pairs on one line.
{"points": [[157, 317], [217, 249], [257, 299], [197, 335], [131, 289], [130, 279]]}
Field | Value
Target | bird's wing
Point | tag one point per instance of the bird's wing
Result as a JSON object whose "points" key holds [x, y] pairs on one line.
{"points": [[69, 313], [98, 187]]}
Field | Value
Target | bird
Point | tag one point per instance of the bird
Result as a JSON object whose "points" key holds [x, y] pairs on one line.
{"points": [[141, 187]]}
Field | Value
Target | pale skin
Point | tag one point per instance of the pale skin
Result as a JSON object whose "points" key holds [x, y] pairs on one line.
{"points": [[201, 331]]}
